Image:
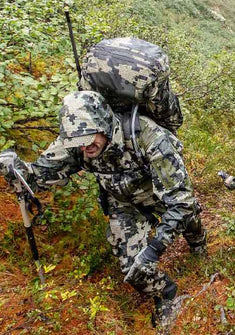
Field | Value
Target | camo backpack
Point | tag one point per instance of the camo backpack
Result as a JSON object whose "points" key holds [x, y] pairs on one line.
{"points": [[129, 73]]}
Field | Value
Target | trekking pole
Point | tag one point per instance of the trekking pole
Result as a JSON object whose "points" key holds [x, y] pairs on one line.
{"points": [[74, 46], [20, 184]]}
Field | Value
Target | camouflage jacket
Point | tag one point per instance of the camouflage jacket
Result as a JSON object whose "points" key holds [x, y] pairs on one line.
{"points": [[166, 184]]}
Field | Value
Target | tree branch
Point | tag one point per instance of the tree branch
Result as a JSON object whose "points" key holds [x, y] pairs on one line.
{"points": [[205, 287]]}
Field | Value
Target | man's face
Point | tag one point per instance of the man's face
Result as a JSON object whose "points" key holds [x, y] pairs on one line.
{"points": [[95, 148]]}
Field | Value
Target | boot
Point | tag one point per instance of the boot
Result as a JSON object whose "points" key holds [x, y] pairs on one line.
{"points": [[163, 304], [167, 310]]}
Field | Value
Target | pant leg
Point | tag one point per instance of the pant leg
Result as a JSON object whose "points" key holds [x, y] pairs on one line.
{"points": [[128, 234]]}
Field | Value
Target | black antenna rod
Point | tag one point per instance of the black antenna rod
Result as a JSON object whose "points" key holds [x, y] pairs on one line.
{"points": [[73, 45]]}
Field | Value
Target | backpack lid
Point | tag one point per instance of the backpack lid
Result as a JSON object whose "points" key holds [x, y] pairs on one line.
{"points": [[129, 68]]}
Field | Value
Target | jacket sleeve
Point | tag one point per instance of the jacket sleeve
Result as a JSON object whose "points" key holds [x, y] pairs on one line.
{"points": [[170, 181], [54, 166]]}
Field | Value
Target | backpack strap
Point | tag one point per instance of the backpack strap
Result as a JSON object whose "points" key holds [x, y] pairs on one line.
{"points": [[131, 129], [126, 125]]}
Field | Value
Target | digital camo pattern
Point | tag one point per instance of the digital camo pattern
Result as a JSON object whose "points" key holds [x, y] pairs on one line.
{"points": [[128, 234], [126, 67], [164, 109], [81, 141], [124, 70], [8, 159], [230, 183], [166, 190], [84, 113]]}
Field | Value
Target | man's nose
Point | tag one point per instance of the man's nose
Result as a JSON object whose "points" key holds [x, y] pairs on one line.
{"points": [[83, 148]]}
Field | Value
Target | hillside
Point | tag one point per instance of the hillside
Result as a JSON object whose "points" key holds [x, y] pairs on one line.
{"points": [[210, 22]]}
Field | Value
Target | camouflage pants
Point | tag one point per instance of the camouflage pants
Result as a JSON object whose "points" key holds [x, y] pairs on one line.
{"points": [[128, 233]]}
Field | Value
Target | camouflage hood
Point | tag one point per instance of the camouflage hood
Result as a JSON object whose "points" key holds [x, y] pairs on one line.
{"points": [[83, 115]]}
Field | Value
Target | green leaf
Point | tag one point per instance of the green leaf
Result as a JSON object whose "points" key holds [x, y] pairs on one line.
{"points": [[53, 91], [8, 124], [35, 147], [2, 140], [43, 144], [8, 144], [230, 303], [56, 78], [29, 81]]}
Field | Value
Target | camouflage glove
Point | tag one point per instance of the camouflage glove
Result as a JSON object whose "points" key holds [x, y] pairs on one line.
{"points": [[229, 181], [9, 158], [144, 264]]}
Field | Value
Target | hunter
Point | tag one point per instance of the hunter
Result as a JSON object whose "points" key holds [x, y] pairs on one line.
{"points": [[141, 194]]}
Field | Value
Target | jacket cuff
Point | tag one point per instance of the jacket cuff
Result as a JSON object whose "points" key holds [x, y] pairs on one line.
{"points": [[158, 246]]}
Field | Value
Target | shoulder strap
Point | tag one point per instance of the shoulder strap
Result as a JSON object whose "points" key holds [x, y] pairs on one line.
{"points": [[126, 125], [131, 130]]}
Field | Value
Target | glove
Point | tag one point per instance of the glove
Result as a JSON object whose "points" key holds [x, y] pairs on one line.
{"points": [[230, 183], [8, 158], [144, 264]]}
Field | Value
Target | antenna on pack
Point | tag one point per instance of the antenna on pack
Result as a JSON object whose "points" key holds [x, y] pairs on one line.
{"points": [[74, 46]]}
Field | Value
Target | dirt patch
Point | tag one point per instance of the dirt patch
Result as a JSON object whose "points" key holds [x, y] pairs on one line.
{"points": [[9, 209]]}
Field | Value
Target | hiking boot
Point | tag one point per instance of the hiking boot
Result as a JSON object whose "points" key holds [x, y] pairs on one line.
{"points": [[169, 313], [161, 303], [166, 311]]}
